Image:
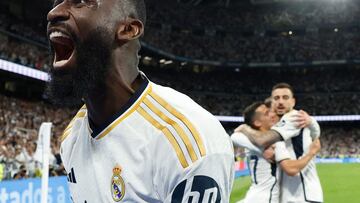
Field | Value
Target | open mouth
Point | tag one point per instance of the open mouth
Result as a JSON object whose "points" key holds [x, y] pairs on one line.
{"points": [[64, 48]]}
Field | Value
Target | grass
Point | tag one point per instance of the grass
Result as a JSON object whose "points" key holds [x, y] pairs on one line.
{"points": [[241, 185], [341, 183]]}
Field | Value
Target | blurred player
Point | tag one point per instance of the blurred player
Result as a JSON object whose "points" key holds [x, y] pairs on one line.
{"points": [[273, 117], [265, 182], [305, 186], [133, 140]]}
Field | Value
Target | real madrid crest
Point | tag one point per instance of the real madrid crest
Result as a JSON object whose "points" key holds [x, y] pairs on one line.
{"points": [[117, 184]]}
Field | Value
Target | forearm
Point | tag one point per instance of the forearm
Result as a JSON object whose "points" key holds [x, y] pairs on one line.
{"points": [[293, 167], [263, 139]]}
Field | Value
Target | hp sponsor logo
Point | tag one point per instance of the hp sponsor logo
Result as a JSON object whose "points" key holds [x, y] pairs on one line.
{"points": [[199, 189]]}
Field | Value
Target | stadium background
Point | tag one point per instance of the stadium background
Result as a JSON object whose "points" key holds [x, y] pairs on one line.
{"points": [[224, 54]]}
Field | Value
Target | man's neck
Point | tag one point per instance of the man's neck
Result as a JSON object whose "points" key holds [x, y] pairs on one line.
{"points": [[104, 104], [263, 129]]}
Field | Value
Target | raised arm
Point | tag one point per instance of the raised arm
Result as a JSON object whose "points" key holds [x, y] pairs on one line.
{"points": [[304, 120], [285, 129], [260, 138]]}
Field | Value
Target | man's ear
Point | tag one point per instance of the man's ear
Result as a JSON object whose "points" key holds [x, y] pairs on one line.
{"points": [[257, 124], [294, 102], [129, 29]]}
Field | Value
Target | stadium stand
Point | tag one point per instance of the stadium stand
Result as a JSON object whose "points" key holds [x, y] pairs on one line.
{"points": [[240, 32], [276, 33], [284, 32], [20, 121]]}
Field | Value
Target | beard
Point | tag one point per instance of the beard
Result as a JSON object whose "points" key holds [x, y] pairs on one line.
{"points": [[69, 87]]}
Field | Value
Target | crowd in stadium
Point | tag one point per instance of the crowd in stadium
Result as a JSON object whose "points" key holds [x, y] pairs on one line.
{"points": [[322, 99], [340, 142], [24, 54], [229, 92], [256, 49], [20, 121], [19, 124], [201, 33], [245, 16], [256, 34], [218, 92]]}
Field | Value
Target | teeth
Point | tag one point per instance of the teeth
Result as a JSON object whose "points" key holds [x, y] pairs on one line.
{"points": [[60, 63], [58, 34]]}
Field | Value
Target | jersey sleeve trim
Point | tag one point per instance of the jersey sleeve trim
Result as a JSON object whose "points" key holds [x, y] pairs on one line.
{"points": [[80, 114], [168, 135], [133, 108], [176, 126], [183, 119]]}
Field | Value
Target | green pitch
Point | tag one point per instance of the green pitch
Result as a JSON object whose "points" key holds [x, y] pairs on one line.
{"points": [[341, 183]]}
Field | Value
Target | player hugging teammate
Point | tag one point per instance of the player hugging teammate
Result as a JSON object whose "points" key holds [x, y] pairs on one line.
{"points": [[280, 144]]}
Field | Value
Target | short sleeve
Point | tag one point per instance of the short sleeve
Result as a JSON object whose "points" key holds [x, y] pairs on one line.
{"points": [[241, 140], [281, 153], [286, 127]]}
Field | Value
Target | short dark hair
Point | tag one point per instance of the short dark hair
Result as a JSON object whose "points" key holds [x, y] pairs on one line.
{"points": [[283, 85], [250, 112], [267, 102]]}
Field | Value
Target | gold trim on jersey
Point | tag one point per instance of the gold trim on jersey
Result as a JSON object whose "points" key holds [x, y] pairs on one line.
{"points": [[125, 115], [167, 133], [183, 119], [176, 126], [80, 114], [64, 135]]}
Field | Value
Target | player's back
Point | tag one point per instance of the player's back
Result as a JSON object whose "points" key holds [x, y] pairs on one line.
{"points": [[264, 182], [159, 148], [265, 186]]}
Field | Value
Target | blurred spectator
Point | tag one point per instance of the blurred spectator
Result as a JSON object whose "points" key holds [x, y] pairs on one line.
{"points": [[21, 174], [24, 53], [340, 142], [320, 91], [19, 124]]}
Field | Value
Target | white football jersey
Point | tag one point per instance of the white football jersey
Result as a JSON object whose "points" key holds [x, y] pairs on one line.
{"points": [[264, 175], [161, 147], [304, 187]]}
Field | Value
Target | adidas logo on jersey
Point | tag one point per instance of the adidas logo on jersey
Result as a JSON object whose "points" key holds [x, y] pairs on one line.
{"points": [[71, 176]]}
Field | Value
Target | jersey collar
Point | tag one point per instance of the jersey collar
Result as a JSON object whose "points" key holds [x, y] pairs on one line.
{"points": [[98, 133]]}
